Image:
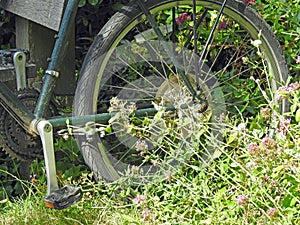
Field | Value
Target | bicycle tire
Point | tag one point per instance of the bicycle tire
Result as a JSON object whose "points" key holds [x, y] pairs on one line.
{"points": [[110, 36]]}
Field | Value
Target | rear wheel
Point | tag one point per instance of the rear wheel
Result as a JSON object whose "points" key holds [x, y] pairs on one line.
{"points": [[129, 68]]}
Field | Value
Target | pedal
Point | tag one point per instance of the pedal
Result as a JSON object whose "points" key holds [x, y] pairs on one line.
{"points": [[63, 197]]}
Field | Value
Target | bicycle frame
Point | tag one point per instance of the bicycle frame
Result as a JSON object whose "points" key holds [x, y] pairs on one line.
{"points": [[34, 122]]}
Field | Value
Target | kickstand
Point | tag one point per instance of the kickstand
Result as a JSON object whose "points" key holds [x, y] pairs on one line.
{"points": [[56, 198]]}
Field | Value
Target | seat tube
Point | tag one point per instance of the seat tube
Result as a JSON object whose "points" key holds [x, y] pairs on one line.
{"points": [[52, 72]]}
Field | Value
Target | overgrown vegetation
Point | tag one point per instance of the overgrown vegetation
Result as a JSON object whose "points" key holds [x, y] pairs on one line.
{"points": [[254, 180]]}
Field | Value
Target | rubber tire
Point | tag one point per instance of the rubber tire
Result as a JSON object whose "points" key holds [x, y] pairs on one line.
{"points": [[107, 39]]}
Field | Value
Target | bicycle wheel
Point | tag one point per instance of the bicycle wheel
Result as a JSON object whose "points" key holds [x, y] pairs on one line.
{"points": [[128, 67]]}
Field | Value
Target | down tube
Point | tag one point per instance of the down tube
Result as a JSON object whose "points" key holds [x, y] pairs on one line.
{"points": [[58, 53]]}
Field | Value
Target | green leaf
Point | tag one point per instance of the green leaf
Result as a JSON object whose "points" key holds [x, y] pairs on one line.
{"points": [[297, 116], [108, 129], [129, 219], [232, 137], [293, 108]]}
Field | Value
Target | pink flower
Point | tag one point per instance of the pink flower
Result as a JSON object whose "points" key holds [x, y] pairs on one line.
{"points": [[250, 2], [285, 91], [180, 20], [146, 215], [284, 126], [295, 86], [272, 212], [139, 200], [253, 148], [268, 143], [298, 59], [242, 199]]}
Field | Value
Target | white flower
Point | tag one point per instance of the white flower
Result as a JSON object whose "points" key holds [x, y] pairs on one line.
{"points": [[256, 43]]}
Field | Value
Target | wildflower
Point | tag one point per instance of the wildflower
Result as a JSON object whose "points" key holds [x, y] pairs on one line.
{"points": [[251, 165], [142, 146], [131, 107], [146, 215], [180, 20], [245, 59], [295, 86], [65, 136], [242, 199], [222, 25], [283, 126], [268, 143], [265, 113], [285, 91], [256, 43], [139, 200], [135, 170], [298, 59], [241, 127], [253, 148], [250, 2], [272, 212]]}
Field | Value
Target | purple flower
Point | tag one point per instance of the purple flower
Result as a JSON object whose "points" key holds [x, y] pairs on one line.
{"points": [[182, 18], [242, 199], [222, 25], [139, 200], [253, 148], [272, 212]]}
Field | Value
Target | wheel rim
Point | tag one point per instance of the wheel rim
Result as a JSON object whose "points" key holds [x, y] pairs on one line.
{"points": [[270, 62]]}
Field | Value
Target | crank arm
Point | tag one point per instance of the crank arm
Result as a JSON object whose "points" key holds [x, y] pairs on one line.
{"points": [[20, 66], [56, 198]]}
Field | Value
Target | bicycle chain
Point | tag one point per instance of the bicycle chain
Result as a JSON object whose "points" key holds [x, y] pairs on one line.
{"points": [[14, 140]]}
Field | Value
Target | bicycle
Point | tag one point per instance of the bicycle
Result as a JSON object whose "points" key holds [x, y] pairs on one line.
{"points": [[161, 74]]}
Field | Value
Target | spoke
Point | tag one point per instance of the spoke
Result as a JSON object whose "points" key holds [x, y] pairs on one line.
{"points": [[209, 40], [195, 27]]}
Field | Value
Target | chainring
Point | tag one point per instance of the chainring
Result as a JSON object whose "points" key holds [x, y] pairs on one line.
{"points": [[16, 141]]}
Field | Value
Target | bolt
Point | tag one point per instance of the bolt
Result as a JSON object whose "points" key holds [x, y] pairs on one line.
{"points": [[47, 128]]}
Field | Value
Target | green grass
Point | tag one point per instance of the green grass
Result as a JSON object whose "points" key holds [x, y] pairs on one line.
{"points": [[258, 185]]}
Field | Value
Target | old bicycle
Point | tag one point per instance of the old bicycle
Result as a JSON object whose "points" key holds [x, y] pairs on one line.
{"points": [[162, 74]]}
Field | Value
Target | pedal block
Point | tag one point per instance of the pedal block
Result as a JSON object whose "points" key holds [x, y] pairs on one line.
{"points": [[63, 198]]}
